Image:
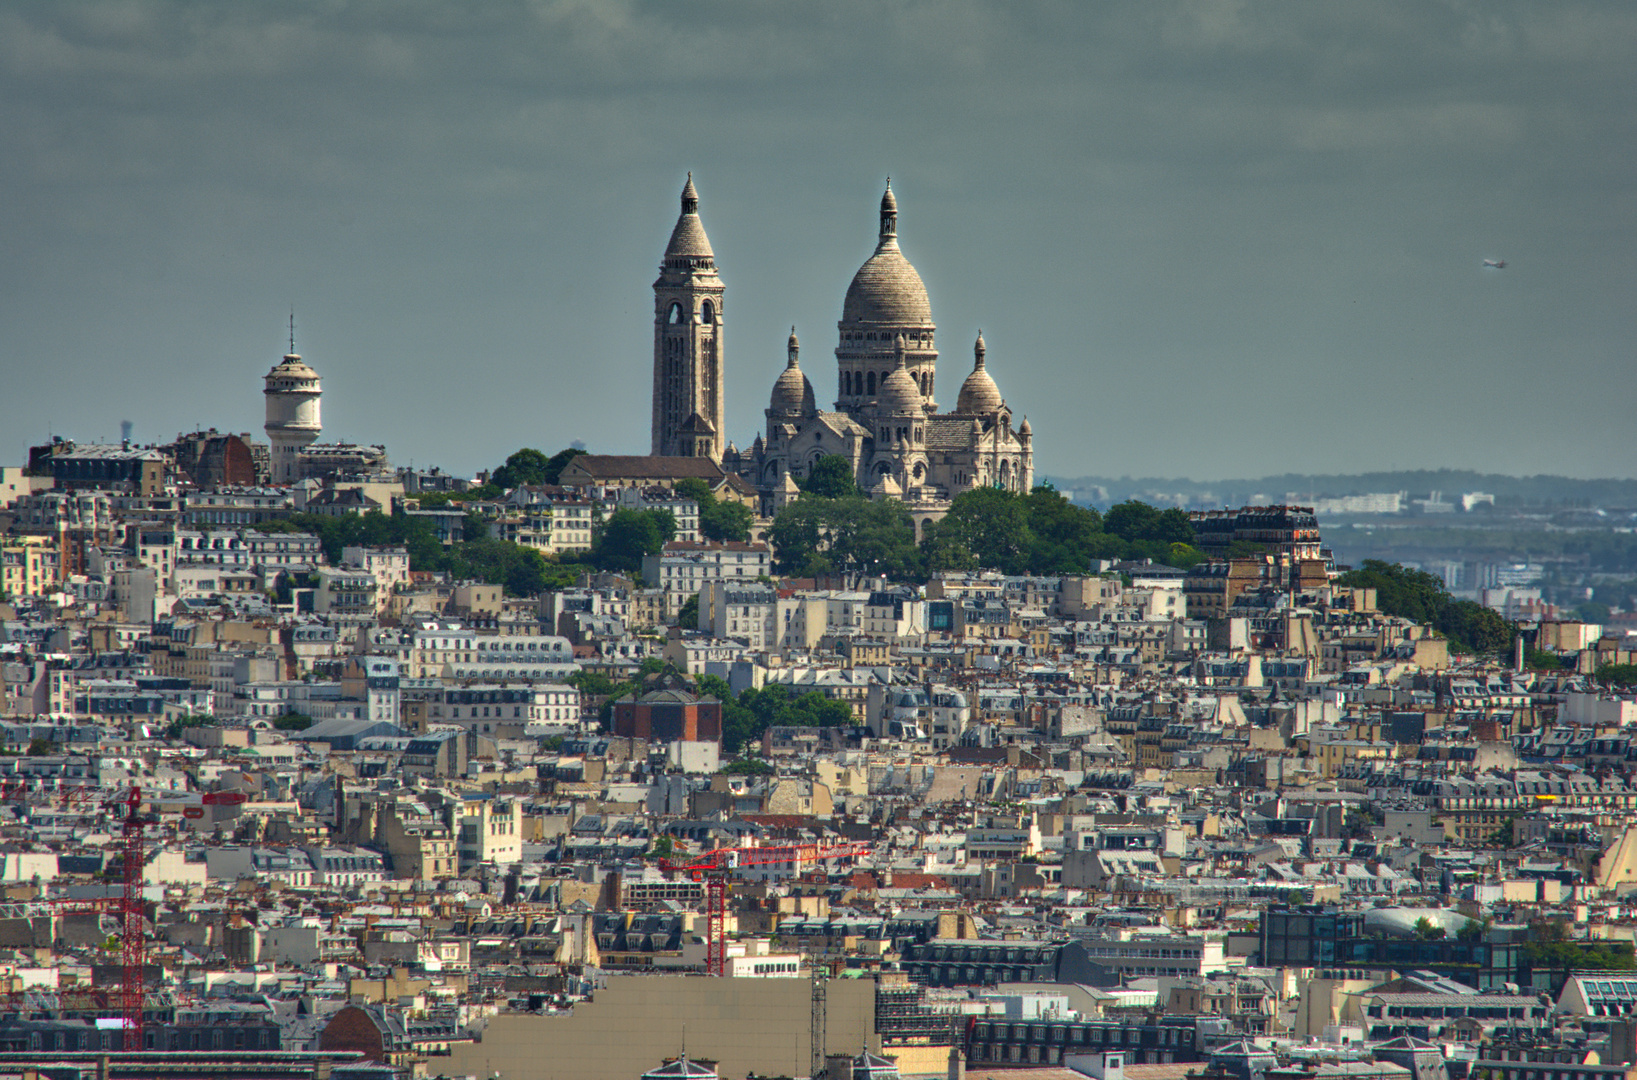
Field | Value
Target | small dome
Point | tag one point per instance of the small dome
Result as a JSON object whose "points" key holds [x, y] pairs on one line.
{"points": [[792, 393], [1025, 431], [979, 394], [899, 393], [292, 367]]}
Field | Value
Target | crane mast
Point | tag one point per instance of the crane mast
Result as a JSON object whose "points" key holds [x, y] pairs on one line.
{"points": [[714, 868]]}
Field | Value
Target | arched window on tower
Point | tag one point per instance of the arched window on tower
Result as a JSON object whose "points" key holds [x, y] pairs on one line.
{"points": [[871, 384], [707, 313], [674, 316]]}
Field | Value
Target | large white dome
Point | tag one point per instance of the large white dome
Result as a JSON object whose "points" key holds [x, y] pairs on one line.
{"points": [[886, 288]]}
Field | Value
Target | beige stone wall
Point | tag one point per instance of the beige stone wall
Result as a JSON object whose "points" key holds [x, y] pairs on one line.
{"points": [[748, 1025]]}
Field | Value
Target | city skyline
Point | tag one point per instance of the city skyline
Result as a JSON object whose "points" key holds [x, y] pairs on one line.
{"points": [[1169, 222]]}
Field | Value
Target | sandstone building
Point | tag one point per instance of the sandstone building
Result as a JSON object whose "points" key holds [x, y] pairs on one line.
{"points": [[886, 420]]}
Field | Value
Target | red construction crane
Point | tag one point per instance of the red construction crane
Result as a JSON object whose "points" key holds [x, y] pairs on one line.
{"points": [[134, 952], [714, 868], [128, 907]]}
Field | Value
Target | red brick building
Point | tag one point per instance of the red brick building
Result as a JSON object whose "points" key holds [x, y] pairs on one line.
{"points": [[669, 712]]}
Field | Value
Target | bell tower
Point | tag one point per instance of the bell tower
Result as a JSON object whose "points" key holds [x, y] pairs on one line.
{"points": [[688, 342]]}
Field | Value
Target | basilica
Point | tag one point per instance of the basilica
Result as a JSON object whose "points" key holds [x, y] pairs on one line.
{"points": [[886, 421]]}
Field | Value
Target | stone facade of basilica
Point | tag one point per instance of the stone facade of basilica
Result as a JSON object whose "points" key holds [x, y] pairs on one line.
{"points": [[886, 421]]}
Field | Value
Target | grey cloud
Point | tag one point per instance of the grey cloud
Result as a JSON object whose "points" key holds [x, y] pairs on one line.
{"points": [[1177, 222]]}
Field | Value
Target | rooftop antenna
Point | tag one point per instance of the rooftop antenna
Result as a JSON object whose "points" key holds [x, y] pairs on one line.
{"points": [[292, 329]]}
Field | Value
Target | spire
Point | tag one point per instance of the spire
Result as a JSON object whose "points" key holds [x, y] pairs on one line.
{"points": [[792, 347], [899, 346], [889, 217], [978, 349], [688, 240]]}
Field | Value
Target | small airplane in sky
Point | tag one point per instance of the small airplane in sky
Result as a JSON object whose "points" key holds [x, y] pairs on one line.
{"points": [[1495, 264]]}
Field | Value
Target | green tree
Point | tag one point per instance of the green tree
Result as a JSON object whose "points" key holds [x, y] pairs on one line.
{"points": [[993, 525], [1066, 537], [1480, 629], [293, 722], [1183, 556], [1419, 596], [800, 537], [688, 617], [831, 477], [1410, 594], [591, 683], [873, 537], [748, 767], [944, 548], [1133, 520], [1542, 660], [691, 487], [525, 466], [1427, 930], [627, 535], [726, 519], [173, 730], [1591, 611], [719, 519], [1617, 674], [554, 468], [816, 535], [1550, 947]]}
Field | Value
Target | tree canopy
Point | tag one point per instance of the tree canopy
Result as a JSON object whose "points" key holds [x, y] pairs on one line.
{"points": [[719, 519], [1617, 674], [747, 717], [531, 466], [525, 466], [621, 541], [816, 535], [1043, 533], [554, 467], [522, 571], [1134, 521], [831, 477], [1418, 595]]}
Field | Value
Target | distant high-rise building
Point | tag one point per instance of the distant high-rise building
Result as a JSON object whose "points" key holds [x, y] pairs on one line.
{"points": [[293, 392], [688, 417]]}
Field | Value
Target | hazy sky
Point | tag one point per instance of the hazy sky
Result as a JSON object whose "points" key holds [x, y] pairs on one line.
{"points": [[1203, 239]]}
